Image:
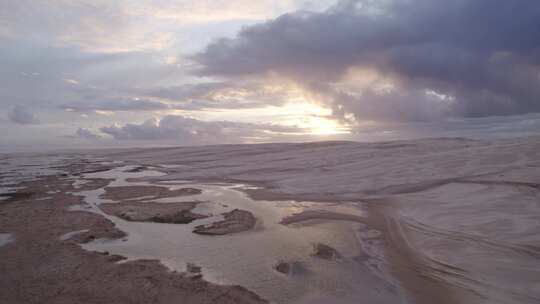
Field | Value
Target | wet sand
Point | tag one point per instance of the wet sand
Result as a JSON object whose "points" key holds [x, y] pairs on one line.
{"points": [[172, 213], [40, 267], [146, 192], [6, 238], [247, 241], [234, 221], [311, 215]]}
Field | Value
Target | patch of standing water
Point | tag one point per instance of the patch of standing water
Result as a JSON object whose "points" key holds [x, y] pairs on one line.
{"points": [[15, 168], [248, 258], [6, 238], [69, 235], [119, 177]]}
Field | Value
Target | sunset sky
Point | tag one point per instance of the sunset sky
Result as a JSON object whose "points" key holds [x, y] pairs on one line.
{"points": [[101, 73]]}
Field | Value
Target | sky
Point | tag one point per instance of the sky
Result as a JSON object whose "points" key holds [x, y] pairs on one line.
{"points": [[127, 73]]}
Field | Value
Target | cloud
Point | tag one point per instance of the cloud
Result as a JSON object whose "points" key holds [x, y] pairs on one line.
{"points": [[21, 115], [86, 134], [186, 91], [455, 58], [35, 74], [118, 104], [205, 11], [400, 64], [185, 130], [223, 95], [126, 25], [478, 128], [97, 26]]}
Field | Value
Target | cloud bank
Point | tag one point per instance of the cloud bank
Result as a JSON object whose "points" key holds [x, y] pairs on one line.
{"points": [[185, 130], [399, 59]]}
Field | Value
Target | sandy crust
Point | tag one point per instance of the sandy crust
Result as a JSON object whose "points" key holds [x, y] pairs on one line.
{"points": [[324, 251], [172, 213], [41, 268], [320, 215], [156, 192], [234, 221]]}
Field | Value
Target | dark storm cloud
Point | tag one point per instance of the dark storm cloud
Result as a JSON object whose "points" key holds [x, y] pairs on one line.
{"points": [[484, 54]]}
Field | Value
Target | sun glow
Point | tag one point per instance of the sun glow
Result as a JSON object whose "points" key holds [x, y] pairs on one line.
{"points": [[313, 118], [323, 126], [310, 118]]}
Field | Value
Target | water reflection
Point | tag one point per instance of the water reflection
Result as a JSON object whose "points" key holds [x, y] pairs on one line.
{"points": [[248, 258]]}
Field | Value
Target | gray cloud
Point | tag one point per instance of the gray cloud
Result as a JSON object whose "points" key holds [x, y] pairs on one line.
{"points": [[21, 115], [86, 134], [186, 91], [118, 104], [186, 130], [49, 77], [484, 54], [479, 128], [219, 95]]}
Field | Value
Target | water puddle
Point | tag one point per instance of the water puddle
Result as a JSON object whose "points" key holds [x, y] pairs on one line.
{"points": [[6, 238], [248, 258], [15, 169], [69, 235]]}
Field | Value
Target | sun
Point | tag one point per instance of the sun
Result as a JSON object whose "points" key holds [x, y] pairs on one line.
{"points": [[324, 126]]}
